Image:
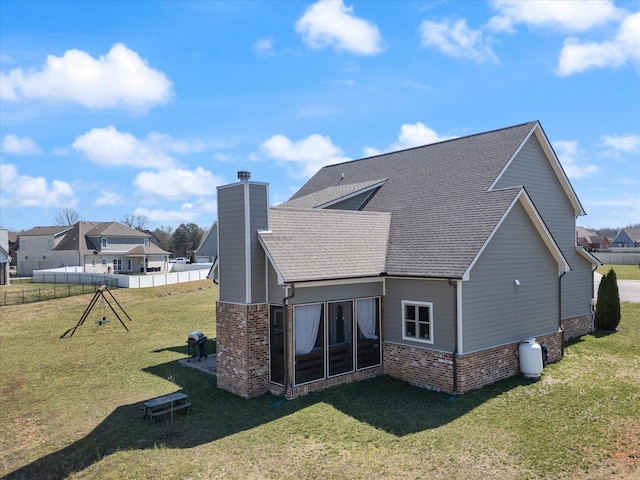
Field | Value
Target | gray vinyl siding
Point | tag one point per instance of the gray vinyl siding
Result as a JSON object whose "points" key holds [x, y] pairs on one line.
{"points": [[577, 286], [336, 292], [259, 220], [118, 244], [439, 292], [515, 252], [231, 234], [532, 169], [353, 203], [209, 247], [275, 291]]}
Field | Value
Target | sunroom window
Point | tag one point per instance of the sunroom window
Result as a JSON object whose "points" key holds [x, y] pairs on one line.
{"points": [[334, 338], [417, 321]]}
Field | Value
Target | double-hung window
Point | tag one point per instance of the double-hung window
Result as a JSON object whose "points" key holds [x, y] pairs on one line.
{"points": [[417, 321], [105, 242]]}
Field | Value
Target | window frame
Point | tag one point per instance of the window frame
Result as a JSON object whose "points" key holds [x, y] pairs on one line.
{"points": [[417, 321], [104, 242], [117, 265]]}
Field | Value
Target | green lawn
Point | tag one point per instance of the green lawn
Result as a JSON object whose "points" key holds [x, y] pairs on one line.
{"points": [[70, 408], [623, 272]]}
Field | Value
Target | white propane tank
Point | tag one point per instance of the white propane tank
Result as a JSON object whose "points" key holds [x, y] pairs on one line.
{"points": [[530, 358]]}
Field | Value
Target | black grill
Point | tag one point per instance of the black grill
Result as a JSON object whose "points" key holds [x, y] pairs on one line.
{"points": [[196, 345]]}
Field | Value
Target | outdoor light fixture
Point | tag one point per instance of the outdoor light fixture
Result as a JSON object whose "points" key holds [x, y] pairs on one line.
{"points": [[517, 282]]}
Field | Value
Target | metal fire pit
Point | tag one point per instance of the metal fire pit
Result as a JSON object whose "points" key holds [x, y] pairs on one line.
{"points": [[196, 345]]}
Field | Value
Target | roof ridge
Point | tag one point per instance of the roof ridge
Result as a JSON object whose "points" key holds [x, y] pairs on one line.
{"points": [[431, 144]]}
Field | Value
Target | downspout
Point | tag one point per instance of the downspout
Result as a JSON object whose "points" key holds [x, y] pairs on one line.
{"points": [[455, 344], [285, 343], [560, 311]]}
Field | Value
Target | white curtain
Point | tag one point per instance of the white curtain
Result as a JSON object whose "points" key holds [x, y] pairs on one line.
{"points": [[306, 322], [367, 312]]}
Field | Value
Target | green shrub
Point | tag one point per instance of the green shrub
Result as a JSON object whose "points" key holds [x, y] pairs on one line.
{"points": [[608, 304]]}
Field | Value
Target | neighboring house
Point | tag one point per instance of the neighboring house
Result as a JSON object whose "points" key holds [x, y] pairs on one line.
{"points": [[207, 251], [13, 248], [5, 257], [591, 240], [627, 237], [35, 249], [351, 278], [99, 247]]}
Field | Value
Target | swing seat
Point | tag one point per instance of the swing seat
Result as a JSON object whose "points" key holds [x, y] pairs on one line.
{"points": [[103, 321]]}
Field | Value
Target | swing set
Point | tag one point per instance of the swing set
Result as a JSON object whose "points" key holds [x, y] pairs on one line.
{"points": [[103, 316]]}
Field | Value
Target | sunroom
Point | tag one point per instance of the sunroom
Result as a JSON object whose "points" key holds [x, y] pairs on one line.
{"points": [[330, 339]]}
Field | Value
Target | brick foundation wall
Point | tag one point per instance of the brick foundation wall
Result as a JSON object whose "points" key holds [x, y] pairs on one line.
{"points": [[435, 370], [300, 390], [242, 345], [578, 326], [419, 366]]}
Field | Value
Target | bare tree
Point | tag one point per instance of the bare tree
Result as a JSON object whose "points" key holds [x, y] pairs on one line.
{"points": [[67, 216], [137, 221]]}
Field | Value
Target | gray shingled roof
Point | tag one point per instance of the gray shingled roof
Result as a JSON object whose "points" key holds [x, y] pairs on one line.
{"points": [[152, 249], [41, 231], [442, 211], [79, 238], [307, 244]]}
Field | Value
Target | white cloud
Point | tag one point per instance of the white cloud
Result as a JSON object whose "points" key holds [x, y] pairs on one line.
{"points": [[109, 147], [370, 152], [456, 39], [108, 198], [577, 56], [417, 134], [619, 144], [185, 214], [331, 23], [15, 145], [26, 191], [304, 157], [569, 156], [119, 79], [566, 16], [263, 46], [411, 135], [178, 183]]}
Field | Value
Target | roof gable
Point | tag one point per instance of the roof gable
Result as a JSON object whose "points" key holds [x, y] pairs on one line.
{"points": [[335, 194], [538, 133], [540, 227]]}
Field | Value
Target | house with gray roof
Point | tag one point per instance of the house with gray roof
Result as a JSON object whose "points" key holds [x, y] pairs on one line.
{"points": [[430, 264], [98, 247], [591, 240], [5, 257], [207, 250], [627, 237]]}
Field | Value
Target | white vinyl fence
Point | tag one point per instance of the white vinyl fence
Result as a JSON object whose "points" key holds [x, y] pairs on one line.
{"points": [[74, 275], [618, 258]]}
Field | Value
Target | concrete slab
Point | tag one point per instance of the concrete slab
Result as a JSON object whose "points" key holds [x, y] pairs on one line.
{"points": [[207, 365]]}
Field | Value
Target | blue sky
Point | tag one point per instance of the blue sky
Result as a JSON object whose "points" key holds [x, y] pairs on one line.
{"points": [[123, 107]]}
